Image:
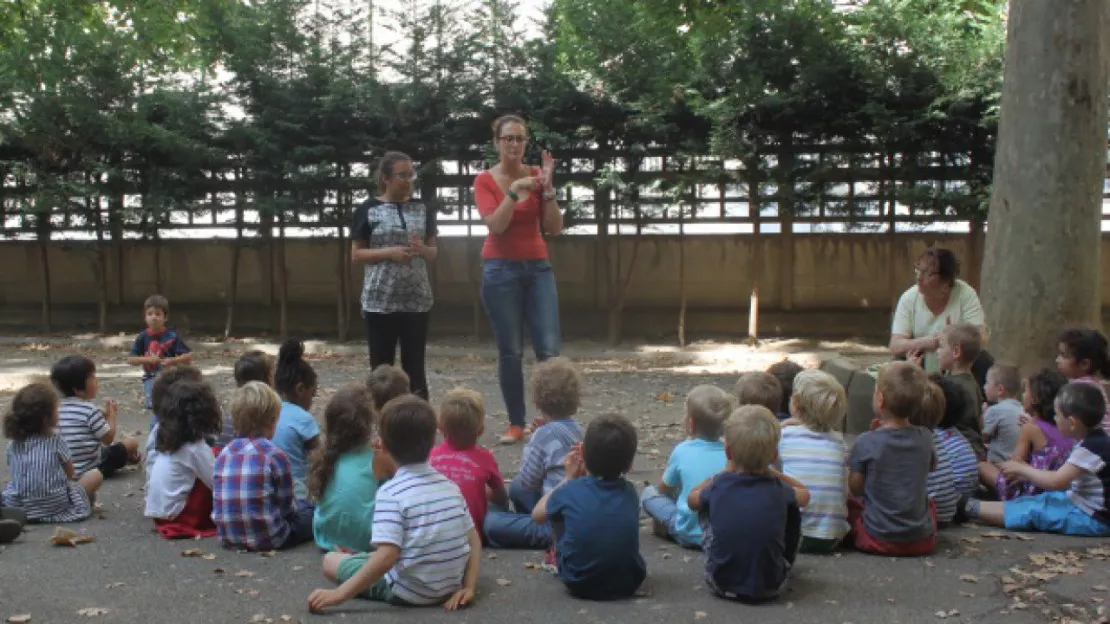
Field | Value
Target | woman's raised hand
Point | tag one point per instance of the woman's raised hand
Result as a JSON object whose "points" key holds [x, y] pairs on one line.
{"points": [[548, 171]]}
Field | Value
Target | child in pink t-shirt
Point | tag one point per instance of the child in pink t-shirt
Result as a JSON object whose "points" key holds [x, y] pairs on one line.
{"points": [[459, 458]]}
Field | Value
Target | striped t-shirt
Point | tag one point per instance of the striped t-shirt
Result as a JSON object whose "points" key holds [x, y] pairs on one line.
{"points": [[1091, 489], [424, 514], [39, 484], [82, 426], [817, 460], [965, 465], [941, 484], [541, 462]]}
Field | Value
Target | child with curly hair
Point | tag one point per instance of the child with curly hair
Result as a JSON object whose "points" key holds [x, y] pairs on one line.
{"points": [[1040, 444], [40, 464], [341, 473], [179, 481]]}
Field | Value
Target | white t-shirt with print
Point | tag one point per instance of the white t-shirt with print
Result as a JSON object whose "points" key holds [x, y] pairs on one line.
{"points": [[914, 319]]}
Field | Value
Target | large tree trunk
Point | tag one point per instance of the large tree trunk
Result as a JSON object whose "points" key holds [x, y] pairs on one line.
{"points": [[1041, 269]]}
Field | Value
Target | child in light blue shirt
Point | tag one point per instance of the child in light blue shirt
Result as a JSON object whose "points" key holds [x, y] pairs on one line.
{"points": [[701, 456], [297, 432]]}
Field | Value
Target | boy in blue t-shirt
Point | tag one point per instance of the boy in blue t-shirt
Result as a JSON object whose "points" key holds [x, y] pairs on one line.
{"points": [[699, 457], [752, 522], [594, 515], [157, 346]]}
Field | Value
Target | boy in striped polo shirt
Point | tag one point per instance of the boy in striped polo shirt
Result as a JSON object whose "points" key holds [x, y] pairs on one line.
{"points": [[427, 550], [813, 452], [88, 431]]}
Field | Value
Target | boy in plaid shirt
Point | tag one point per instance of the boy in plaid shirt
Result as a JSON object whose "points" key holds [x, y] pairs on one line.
{"points": [[252, 493]]}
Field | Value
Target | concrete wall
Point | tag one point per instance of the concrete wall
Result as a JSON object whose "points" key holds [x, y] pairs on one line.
{"points": [[828, 285]]}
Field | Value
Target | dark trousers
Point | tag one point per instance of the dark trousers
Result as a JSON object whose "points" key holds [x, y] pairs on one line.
{"points": [[410, 329]]}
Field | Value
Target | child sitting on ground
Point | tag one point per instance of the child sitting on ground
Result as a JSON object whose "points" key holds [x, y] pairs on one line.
{"points": [[595, 516], [556, 391], [159, 391], [785, 372], [1082, 509], [890, 468], [941, 483], [89, 432], [297, 432], [461, 459], [385, 384], [179, 480], [751, 517], [341, 476], [1082, 356], [965, 465], [252, 493], [959, 347], [813, 453], [1041, 445], [39, 463], [251, 366], [759, 388], [157, 346], [1001, 420], [426, 549], [694, 460]]}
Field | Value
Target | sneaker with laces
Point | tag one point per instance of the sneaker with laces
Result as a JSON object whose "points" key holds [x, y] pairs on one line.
{"points": [[514, 435]]}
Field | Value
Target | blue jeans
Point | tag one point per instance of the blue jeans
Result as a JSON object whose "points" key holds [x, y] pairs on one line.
{"points": [[664, 510], [516, 529], [515, 293], [148, 384]]}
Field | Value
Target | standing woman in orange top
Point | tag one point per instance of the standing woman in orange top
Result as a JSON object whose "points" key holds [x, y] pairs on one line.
{"points": [[517, 203]]}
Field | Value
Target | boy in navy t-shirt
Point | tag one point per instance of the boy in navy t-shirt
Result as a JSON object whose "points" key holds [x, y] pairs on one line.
{"points": [[595, 515], [751, 521], [157, 346]]}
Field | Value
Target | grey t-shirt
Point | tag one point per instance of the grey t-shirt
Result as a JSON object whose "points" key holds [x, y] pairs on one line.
{"points": [[1001, 424], [896, 463]]}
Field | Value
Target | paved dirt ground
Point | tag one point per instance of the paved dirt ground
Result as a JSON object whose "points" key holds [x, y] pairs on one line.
{"points": [[976, 574]]}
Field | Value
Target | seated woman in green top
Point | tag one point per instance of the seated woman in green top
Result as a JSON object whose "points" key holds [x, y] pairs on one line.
{"points": [[341, 479]]}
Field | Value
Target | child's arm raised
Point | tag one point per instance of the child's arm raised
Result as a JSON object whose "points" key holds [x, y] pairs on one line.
{"points": [[383, 559], [111, 408], [575, 467], [1044, 479], [801, 492], [465, 595]]}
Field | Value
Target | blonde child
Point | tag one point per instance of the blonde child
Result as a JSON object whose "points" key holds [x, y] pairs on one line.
{"points": [[1084, 357], [889, 470], [1082, 508], [461, 459], [252, 493], [959, 347], [179, 478], [813, 453], [752, 521], [39, 462], [341, 476], [694, 460]]}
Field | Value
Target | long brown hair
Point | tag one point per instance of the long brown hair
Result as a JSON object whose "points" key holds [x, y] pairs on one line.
{"points": [[385, 167], [348, 424]]}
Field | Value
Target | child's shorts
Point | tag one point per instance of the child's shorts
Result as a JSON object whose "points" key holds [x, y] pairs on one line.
{"points": [[380, 591], [1051, 512]]}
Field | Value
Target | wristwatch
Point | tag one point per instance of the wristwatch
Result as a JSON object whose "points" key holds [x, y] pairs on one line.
{"points": [[549, 196], [512, 194]]}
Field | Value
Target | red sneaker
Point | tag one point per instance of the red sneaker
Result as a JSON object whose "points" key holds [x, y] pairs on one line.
{"points": [[513, 435]]}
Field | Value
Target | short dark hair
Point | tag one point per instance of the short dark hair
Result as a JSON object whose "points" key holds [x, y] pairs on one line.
{"points": [[609, 446], [759, 388], [292, 369], [408, 429], [70, 374], [955, 400], [785, 371], [1087, 343], [31, 413], [947, 266], [190, 412], [387, 383], [1082, 401], [160, 389], [254, 366], [157, 301]]}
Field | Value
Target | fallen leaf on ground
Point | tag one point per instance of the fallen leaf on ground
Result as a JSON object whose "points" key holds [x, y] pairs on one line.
{"points": [[114, 585], [665, 397], [995, 535], [298, 567], [219, 571], [972, 540], [69, 537], [208, 556], [929, 564], [531, 566], [244, 574], [947, 614], [192, 552], [1044, 576], [1100, 588], [268, 553], [504, 582], [967, 594], [1023, 537], [491, 556], [969, 578], [700, 615], [22, 618], [286, 618], [92, 611]]}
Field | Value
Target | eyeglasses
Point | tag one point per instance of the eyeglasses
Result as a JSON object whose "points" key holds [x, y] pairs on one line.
{"points": [[918, 272], [515, 138], [405, 175]]}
